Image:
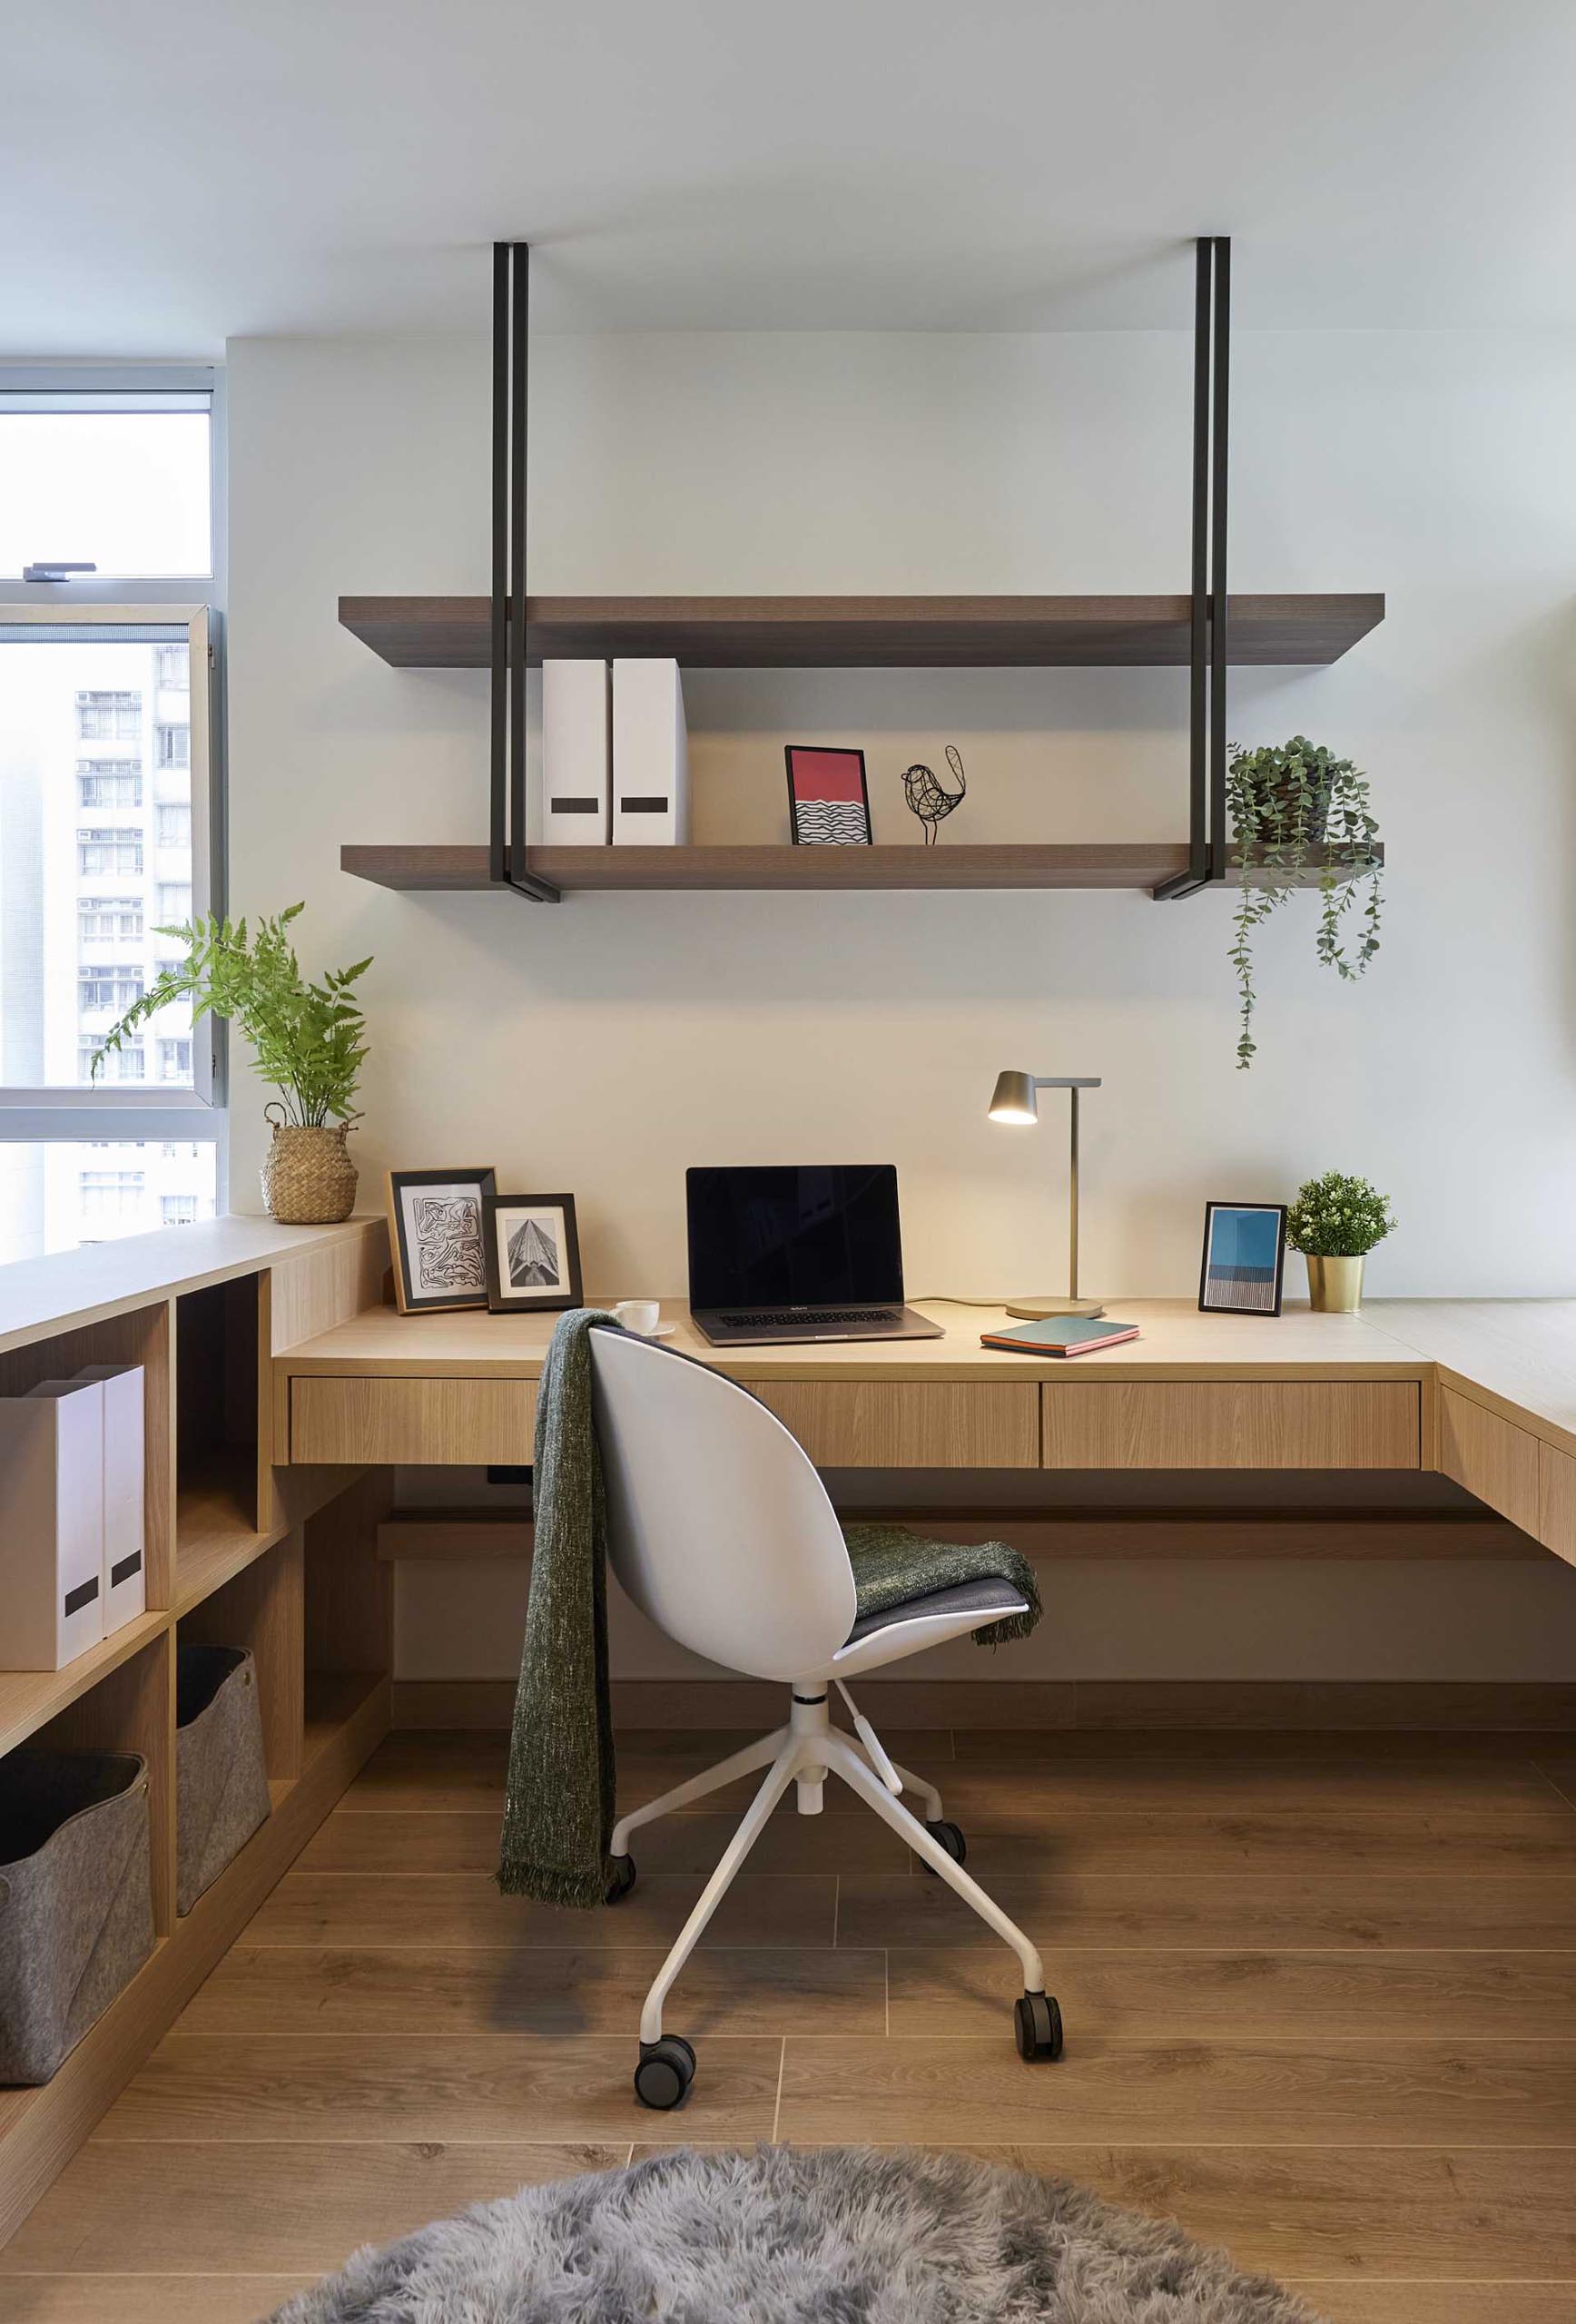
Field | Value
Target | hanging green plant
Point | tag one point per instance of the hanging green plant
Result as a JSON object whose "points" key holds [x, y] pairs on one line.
{"points": [[1290, 805]]}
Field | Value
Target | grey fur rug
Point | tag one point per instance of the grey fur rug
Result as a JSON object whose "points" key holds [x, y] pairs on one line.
{"points": [[821, 2235]]}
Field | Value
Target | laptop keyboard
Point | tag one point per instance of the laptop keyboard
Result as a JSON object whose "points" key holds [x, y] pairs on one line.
{"points": [[817, 1316]]}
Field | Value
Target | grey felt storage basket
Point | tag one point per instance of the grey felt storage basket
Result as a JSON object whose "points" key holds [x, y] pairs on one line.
{"points": [[220, 1780], [76, 1901]]}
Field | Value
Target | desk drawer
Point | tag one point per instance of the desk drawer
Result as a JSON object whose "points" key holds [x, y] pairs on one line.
{"points": [[1491, 1457], [1231, 1424], [909, 1424], [371, 1422]]}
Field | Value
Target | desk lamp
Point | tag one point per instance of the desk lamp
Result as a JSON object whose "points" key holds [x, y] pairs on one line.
{"points": [[1016, 1103]]}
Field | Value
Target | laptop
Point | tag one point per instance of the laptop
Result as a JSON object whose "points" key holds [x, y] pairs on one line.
{"points": [[799, 1253]]}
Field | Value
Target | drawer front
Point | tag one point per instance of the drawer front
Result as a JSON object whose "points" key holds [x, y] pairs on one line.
{"points": [[903, 1424], [1491, 1457], [1557, 1502], [1231, 1424], [371, 1422]]}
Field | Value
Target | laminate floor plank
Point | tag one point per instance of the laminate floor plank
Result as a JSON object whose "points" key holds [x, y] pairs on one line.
{"points": [[1001, 1784], [356, 1910], [1367, 2092], [485, 2090], [193, 2209], [1477, 1843], [1437, 2303], [1250, 1912], [427, 1989], [363, 1841], [147, 2300], [1255, 1996], [1379, 1746]]}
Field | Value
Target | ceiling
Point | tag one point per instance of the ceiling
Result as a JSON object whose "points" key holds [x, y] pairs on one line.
{"points": [[180, 173]]}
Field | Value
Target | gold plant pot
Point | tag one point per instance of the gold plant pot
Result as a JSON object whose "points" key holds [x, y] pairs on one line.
{"points": [[308, 1178], [1335, 1286]]}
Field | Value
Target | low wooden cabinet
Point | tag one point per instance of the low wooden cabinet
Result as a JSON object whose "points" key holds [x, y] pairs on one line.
{"points": [[1232, 1424], [910, 1423]]}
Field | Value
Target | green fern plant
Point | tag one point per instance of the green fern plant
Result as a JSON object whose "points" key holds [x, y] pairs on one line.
{"points": [[306, 1038], [1286, 800]]}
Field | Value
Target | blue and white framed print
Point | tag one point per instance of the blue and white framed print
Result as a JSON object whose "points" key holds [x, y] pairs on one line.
{"points": [[1245, 1249]]}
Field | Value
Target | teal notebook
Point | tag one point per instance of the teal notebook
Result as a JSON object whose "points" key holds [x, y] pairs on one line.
{"points": [[1059, 1335]]}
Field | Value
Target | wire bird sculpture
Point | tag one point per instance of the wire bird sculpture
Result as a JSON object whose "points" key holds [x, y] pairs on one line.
{"points": [[928, 799]]}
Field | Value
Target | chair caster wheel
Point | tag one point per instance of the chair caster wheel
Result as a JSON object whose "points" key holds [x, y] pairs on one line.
{"points": [[622, 1879], [952, 1838], [1037, 2024], [665, 2072]]}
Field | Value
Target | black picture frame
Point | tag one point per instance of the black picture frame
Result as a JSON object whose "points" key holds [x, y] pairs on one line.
{"points": [[409, 1263], [826, 750], [504, 1296], [1255, 1296]]}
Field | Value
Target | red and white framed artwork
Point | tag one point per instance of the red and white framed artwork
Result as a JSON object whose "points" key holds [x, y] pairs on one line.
{"points": [[828, 798]]}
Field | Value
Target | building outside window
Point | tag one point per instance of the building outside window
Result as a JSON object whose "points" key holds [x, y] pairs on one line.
{"points": [[174, 1058], [110, 1193], [99, 783], [174, 825], [177, 1210], [109, 717], [108, 988], [174, 903], [109, 919], [173, 745], [101, 851], [124, 1064], [169, 672]]}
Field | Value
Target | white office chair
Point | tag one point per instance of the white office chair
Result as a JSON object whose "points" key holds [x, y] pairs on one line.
{"points": [[721, 1531]]}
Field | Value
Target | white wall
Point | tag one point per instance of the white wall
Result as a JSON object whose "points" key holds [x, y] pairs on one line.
{"points": [[604, 1044]]}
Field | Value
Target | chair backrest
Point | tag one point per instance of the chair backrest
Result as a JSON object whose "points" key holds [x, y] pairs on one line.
{"points": [[718, 1526]]}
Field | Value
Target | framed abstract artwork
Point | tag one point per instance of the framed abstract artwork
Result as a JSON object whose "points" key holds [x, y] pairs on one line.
{"points": [[828, 798], [533, 1253], [1244, 1246], [435, 1233]]}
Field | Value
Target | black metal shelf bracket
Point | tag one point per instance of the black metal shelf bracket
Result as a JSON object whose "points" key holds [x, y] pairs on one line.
{"points": [[1207, 856], [509, 862]]}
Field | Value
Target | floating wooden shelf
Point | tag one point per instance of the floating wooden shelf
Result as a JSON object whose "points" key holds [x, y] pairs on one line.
{"points": [[864, 633], [1081, 864]]}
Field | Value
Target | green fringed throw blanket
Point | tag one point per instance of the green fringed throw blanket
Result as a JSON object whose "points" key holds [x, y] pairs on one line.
{"points": [[558, 1810]]}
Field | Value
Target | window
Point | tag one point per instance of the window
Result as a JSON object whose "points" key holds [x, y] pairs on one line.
{"points": [[117, 477], [105, 683], [113, 989], [110, 1193], [177, 1210], [99, 783], [98, 852], [120, 1065], [109, 919], [109, 717]]}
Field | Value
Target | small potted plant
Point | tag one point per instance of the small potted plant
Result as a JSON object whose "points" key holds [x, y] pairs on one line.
{"points": [[307, 1040], [1288, 802], [1334, 1223]]}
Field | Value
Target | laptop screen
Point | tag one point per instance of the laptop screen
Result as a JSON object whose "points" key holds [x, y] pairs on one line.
{"points": [[797, 1237]]}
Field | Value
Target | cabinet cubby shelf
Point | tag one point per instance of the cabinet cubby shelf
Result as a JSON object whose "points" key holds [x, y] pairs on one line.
{"points": [[867, 632], [575, 870]]}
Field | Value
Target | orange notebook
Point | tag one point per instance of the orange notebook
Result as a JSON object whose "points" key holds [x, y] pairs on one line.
{"points": [[1059, 1335]]}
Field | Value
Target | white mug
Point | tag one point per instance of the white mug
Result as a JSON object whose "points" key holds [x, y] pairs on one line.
{"points": [[639, 1316]]}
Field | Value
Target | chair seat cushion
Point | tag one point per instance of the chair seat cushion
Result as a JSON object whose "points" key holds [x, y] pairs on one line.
{"points": [[896, 1571]]}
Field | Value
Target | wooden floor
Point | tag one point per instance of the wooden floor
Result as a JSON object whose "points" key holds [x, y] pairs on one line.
{"points": [[1320, 1995]]}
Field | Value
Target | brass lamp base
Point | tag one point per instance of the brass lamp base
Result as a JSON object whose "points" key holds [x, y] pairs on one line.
{"points": [[1035, 1311]]}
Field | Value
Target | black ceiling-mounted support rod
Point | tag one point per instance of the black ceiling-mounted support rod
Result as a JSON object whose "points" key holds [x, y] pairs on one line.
{"points": [[1208, 854], [509, 861]]}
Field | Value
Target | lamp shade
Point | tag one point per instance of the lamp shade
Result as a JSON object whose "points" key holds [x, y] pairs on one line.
{"points": [[1014, 1099]]}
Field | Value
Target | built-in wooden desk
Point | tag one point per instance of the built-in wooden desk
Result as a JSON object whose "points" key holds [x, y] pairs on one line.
{"points": [[1483, 1391]]}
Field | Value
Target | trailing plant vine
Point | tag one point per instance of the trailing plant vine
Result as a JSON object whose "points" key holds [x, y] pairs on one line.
{"points": [[1286, 801], [308, 1038]]}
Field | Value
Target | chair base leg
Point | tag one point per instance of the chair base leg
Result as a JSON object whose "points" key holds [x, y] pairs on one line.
{"points": [[804, 1753]]}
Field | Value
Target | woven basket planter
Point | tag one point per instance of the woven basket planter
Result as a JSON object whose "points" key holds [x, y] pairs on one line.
{"points": [[308, 1178], [76, 1905]]}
